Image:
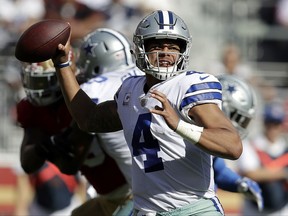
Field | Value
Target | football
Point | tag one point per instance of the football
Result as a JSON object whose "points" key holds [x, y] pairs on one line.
{"points": [[40, 41]]}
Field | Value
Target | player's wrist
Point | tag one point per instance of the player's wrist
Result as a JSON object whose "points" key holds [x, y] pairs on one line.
{"points": [[62, 65], [189, 131], [242, 185]]}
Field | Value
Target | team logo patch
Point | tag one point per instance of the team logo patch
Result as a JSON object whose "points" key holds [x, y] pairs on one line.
{"points": [[126, 99]]}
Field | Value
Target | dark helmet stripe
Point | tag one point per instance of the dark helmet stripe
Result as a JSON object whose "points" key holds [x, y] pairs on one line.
{"points": [[171, 19], [161, 19], [165, 19]]}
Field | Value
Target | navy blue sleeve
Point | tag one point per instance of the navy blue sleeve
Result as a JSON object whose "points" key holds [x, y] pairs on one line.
{"points": [[225, 178]]}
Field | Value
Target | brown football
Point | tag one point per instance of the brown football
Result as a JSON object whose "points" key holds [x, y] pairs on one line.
{"points": [[40, 41]]}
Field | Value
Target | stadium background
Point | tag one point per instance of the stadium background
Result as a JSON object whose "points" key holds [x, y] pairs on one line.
{"points": [[212, 24]]}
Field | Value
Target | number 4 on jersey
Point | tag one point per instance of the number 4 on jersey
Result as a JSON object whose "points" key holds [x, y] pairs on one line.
{"points": [[149, 147]]}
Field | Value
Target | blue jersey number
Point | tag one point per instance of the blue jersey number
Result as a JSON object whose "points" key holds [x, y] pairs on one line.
{"points": [[149, 147]]}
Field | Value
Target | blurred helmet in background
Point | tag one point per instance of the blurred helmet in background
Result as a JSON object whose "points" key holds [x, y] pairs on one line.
{"points": [[104, 50], [40, 83], [162, 25], [239, 102]]}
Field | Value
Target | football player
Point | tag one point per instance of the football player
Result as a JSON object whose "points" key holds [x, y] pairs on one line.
{"points": [[43, 114], [171, 118], [239, 104]]}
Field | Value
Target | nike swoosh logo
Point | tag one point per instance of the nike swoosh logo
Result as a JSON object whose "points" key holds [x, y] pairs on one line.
{"points": [[203, 77]]}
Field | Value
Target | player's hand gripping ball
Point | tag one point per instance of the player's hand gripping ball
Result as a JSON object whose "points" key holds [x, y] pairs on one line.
{"points": [[40, 41]]}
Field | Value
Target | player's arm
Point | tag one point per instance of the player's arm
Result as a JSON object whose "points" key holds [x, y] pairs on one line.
{"points": [[69, 149], [32, 157], [219, 136], [227, 179], [224, 177], [214, 132], [89, 116]]}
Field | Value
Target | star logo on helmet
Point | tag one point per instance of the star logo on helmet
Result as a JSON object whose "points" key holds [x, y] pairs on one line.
{"points": [[231, 89], [88, 49]]}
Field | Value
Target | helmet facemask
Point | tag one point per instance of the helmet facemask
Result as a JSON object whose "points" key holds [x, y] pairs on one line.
{"points": [[239, 118], [40, 83], [158, 71]]}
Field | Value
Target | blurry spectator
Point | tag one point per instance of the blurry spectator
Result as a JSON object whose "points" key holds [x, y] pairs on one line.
{"points": [[15, 17], [231, 63], [273, 46], [264, 159], [286, 115], [267, 12], [268, 91], [282, 12], [12, 77], [84, 16], [124, 16], [12, 80], [47, 192]]}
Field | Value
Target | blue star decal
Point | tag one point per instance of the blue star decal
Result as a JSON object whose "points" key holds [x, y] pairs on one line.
{"points": [[88, 49], [231, 89]]}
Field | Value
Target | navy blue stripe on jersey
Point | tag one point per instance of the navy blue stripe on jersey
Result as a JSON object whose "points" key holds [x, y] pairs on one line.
{"points": [[198, 92], [200, 97], [161, 19], [203, 86]]}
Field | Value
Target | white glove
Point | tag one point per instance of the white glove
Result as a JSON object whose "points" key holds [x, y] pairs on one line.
{"points": [[251, 190]]}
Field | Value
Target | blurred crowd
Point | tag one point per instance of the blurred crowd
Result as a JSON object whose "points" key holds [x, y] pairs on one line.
{"points": [[267, 140]]}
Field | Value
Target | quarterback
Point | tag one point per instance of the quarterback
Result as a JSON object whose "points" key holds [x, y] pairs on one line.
{"points": [[171, 118]]}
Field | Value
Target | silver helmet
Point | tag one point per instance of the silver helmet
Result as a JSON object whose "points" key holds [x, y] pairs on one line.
{"points": [[40, 83], [104, 50], [162, 25], [239, 102]]}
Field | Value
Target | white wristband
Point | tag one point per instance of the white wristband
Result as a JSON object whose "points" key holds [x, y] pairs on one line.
{"points": [[62, 65], [189, 131]]}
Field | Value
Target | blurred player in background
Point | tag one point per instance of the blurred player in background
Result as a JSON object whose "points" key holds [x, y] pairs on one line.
{"points": [[239, 105], [43, 114]]}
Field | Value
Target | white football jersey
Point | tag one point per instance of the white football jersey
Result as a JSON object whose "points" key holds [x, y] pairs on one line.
{"points": [[103, 88], [168, 172]]}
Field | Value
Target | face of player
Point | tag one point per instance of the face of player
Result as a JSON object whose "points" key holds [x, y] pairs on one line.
{"points": [[163, 53]]}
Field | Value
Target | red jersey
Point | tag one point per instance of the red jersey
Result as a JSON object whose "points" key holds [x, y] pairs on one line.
{"points": [[53, 119]]}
